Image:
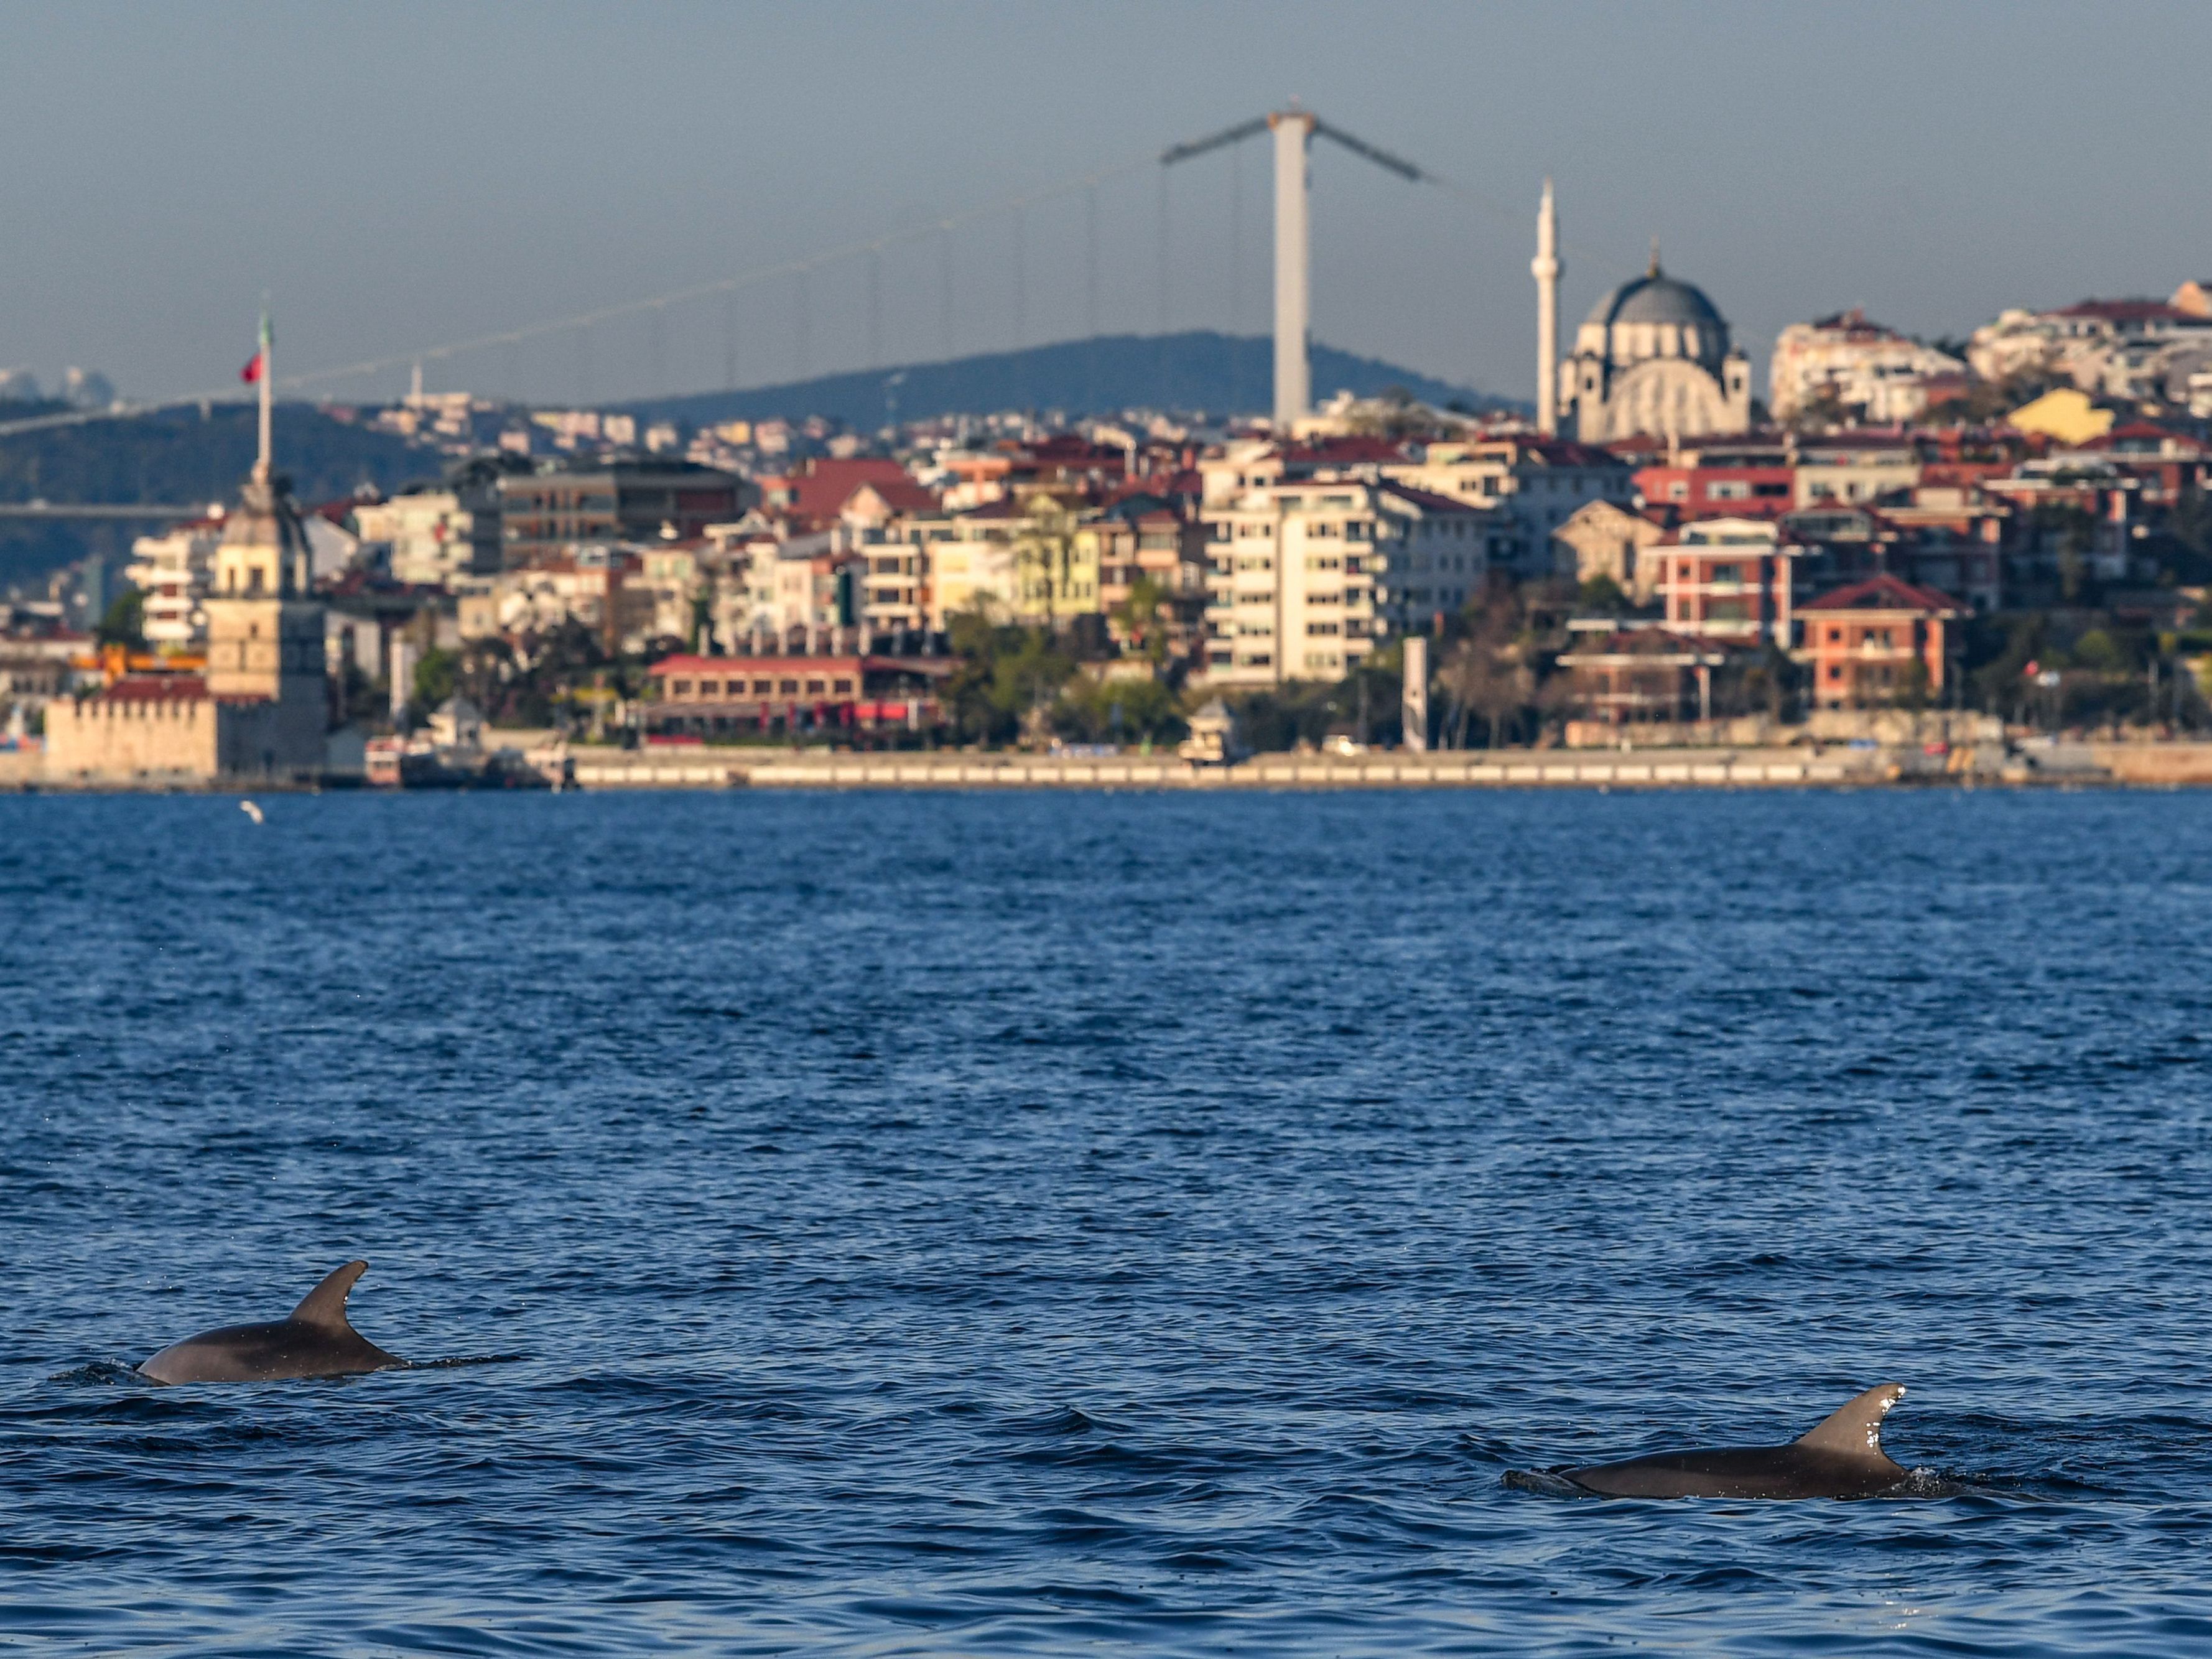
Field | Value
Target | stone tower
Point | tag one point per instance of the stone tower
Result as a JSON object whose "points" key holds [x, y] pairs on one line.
{"points": [[265, 628]]}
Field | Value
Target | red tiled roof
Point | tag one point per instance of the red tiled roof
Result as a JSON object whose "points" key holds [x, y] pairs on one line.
{"points": [[1344, 450], [1883, 593], [1428, 501], [2139, 432], [1857, 438], [904, 496], [847, 664], [156, 687], [826, 485], [1565, 451], [772, 665]]}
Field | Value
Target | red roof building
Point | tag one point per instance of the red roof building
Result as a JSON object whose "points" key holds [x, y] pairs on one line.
{"points": [[1880, 641], [793, 695]]}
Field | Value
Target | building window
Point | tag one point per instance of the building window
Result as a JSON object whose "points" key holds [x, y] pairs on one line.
{"points": [[679, 688], [814, 687], [842, 688], [790, 688], [710, 688], [761, 688]]}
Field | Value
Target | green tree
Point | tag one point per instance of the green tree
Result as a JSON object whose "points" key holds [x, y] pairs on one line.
{"points": [[1601, 596], [437, 676], [124, 622], [1119, 711]]}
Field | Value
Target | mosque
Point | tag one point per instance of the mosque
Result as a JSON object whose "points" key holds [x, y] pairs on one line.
{"points": [[1653, 357]]}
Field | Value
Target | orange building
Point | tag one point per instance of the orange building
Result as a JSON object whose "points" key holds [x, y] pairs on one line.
{"points": [[1878, 640]]}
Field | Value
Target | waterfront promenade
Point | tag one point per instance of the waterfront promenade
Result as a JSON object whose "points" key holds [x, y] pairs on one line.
{"points": [[2141, 764], [2147, 765]]}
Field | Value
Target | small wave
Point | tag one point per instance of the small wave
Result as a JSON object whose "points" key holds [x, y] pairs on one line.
{"points": [[462, 1360], [109, 1373], [1543, 1483]]}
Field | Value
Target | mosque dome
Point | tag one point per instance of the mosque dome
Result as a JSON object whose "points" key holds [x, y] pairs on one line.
{"points": [[1657, 299], [1655, 316]]}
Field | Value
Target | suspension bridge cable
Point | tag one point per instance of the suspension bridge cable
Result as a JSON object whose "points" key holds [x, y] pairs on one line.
{"points": [[941, 226]]}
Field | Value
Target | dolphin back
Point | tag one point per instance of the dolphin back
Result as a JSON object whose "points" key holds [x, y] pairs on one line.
{"points": [[315, 1340], [1841, 1457]]}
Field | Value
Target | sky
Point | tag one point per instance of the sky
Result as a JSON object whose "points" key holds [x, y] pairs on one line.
{"points": [[405, 175]]}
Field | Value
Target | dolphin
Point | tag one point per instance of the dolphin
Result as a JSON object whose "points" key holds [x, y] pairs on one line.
{"points": [[313, 1340], [1839, 1457]]}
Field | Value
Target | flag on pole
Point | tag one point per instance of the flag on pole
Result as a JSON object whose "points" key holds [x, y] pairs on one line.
{"points": [[255, 369]]}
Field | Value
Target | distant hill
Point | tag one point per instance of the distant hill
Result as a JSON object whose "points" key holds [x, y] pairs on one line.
{"points": [[182, 457], [1219, 374]]}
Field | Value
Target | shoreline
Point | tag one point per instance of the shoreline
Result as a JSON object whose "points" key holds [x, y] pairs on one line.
{"points": [[2116, 765]]}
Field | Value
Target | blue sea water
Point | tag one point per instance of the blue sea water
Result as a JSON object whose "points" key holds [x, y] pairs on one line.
{"points": [[1045, 1224]]}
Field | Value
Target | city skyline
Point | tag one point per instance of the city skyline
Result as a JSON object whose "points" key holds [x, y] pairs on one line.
{"points": [[457, 174]]}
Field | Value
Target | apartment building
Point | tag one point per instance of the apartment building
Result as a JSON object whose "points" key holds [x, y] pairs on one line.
{"points": [[1304, 579], [434, 532], [1538, 483], [612, 499], [171, 571], [1728, 579]]}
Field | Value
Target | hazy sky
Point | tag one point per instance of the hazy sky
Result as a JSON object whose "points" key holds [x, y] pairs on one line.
{"points": [[400, 174]]}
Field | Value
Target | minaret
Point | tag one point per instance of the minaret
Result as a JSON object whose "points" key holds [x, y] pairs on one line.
{"points": [[1545, 267], [1293, 256]]}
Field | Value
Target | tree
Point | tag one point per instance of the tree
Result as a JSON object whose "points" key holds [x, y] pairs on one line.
{"points": [[1601, 596], [1119, 711], [124, 622], [1912, 691], [1007, 680], [1138, 619], [437, 676]]}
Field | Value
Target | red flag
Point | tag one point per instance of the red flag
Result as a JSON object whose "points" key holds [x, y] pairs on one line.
{"points": [[251, 372]]}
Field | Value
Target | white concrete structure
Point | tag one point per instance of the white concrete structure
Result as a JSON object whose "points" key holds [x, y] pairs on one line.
{"points": [[1305, 578], [2081, 342], [1415, 711], [1540, 483], [1547, 269], [173, 572], [434, 533], [1873, 375], [1293, 267]]}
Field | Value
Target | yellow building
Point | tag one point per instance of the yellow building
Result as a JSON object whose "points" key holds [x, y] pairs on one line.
{"points": [[972, 563], [1055, 565], [2066, 415]]}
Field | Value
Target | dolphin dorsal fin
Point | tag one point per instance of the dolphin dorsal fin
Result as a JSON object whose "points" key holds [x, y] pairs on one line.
{"points": [[325, 1304], [1856, 1427]]}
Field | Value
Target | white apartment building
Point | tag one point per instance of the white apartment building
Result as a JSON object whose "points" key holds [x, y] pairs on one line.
{"points": [[2083, 341], [434, 533], [1539, 484], [173, 572], [970, 560], [1877, 375], [1304, 579]]}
